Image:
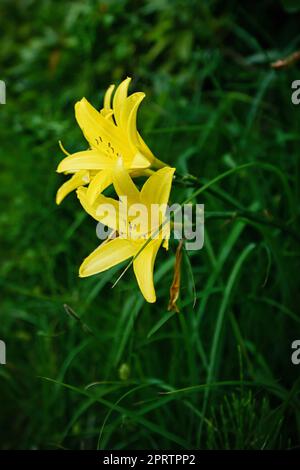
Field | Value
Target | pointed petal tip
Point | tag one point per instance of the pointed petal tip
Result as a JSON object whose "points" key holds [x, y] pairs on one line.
{"points": [[167, 169], [140, 95], [82, 272], [59, 168], [80, 103], [58, 199], [110, 87], [83, 100]]}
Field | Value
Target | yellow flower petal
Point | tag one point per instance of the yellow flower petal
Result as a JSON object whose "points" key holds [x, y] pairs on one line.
{"points": [[104, 209], [129, 116], [156, 189], [106, 256], [100, 182], [138, 161], [129, 124], [107, 96], [119, 99], [80, 178], [86, 160], [141, 172], [107, 114], [98, 130], [143, 266], [124, 186]]}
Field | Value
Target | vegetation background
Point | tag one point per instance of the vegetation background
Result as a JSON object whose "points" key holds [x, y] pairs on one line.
{"points": [[111, 371]]}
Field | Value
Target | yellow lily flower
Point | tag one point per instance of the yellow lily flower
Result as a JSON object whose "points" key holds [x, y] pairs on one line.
{"points": [[131, 241], [111, 133]]}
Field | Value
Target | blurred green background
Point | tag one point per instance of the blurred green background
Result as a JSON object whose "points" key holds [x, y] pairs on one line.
{"points": [[116, 372]]}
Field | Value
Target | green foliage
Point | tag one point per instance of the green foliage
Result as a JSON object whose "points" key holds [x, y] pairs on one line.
{"points": [[93, 367]]}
